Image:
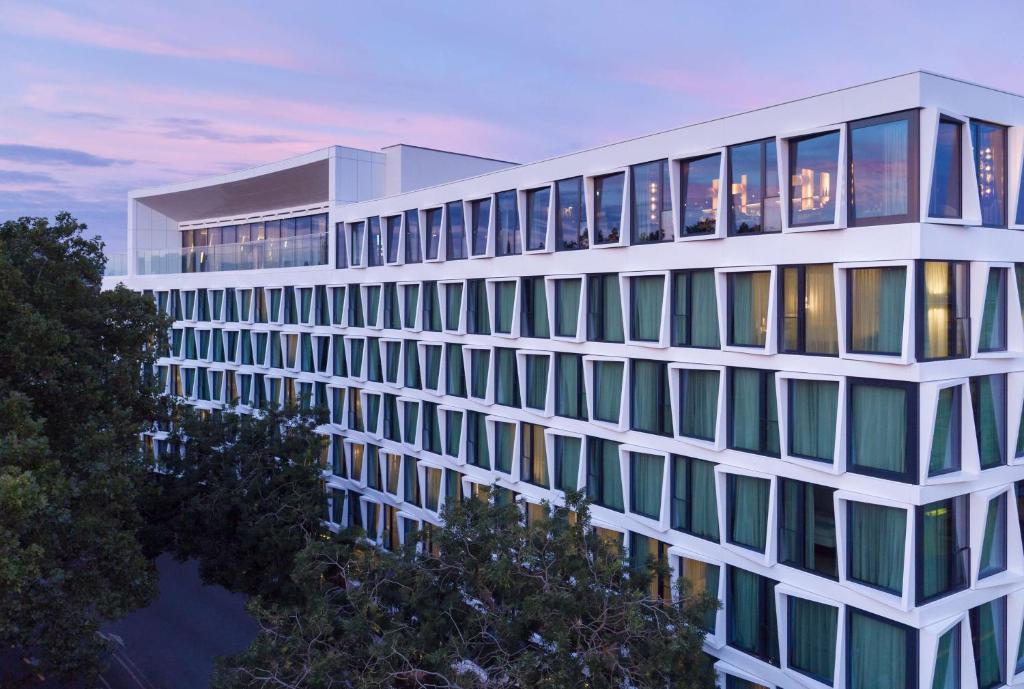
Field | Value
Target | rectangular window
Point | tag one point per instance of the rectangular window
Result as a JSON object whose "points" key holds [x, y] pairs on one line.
{"points": [[990, 163], [812, 638], [884, 169], [570, 215], [645, 553], [476, 440], [393, 226], [433, 230], [392, 313], [506, 239], [567, 462], [570, 393], [694, 506], [814, 179], [357, 231], [702, 578], [431, 308], [647, 294], [413, 253], [943, 548], [533, 465], [411, 298], [567, 306], [534, 309], [876, 297], [646, 473], [748, 308], [650, 400], [504, 446], [946, 199], [538, 202], [478, 320], [945, 451], [813, 407], [807, 528], [942, 310], [698, 404], [608, 208], [481, 219], [701, 185], [604, 477], [452, 305], [988, 637], [455, 232], [506, 378], [993, 544], [607, 376], [747, 501], [651, 192], [694, 309], [604, 308], [988, 402], [340, 256], [879, 653], [455, 371], [807, 310], [753, 411], [374, 243], [993, 317], [880, 441], [875, 545], [452, 432], [754, 206], [504, 306], [750, 614]]}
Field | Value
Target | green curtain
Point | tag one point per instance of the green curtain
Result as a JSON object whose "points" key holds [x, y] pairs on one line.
{"points": [[307, 353], [453, 305], [410, 481], [645, 483], [947, 664], [878, 655], [412, 298], [608, 390], [452, 485], [748, 316], [604, 477], [993, 317], [648, 295], [812, 638], [506, 378], [746, 409], [877, 539], [432, 359], [698, 413], [945, 455], [812, 422], [988, 627], [504, 306], [373, 367], [537, 381], [372, 304], [751, 620], [453, 432], [412, 412], [479, 368], [567, 311], [876, 311], [879, 433], [338, 352], [704, 310], [938, 549], [456, 376], [412, 364], [611, 307], [749, 511], [504, 446], [570, 399], [431, 308], [993, 545], [988, 395], [431, 429], [649, 399], [703, 500], [478, 318], [358, 346], [567, 461], [538, 309], [372, 410], [306, 303]]}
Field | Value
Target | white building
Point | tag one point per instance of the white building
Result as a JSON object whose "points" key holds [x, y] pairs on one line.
{"points": [[781, 350]]}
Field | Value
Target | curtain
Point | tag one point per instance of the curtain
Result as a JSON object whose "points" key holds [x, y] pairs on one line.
{"points": [[876, 311], [988, 396], [947, 665], [820, 331], [505, 299], [357, 357], [456, 383], [431, 308], [879, 428], [373, 368], [372, 305], [506, 382], [749, 312], [567, 294], [412, 298], [570, 401], [479, 364], [645, 483], [433, 484], [812, 424], [702, 578], [993, 545], [988, 627], [993, 318], [878, 653], [536, 381], [649, 400], [432, 359], [410, 481], [504, 446], [746, 610], [412, 364], [703, 500], [877, 536], [611, 306], [453, 305], [412, 412], [746, 409], [812, 638], [945, 455], [452, 485], [938, 300], [477, 314], [432, 429], [699, 411], [453, 432], [647, 297], [535, 308], [607, 390], [704, 309], [938, 546], [607, 484], [749, 511], [307, 353], [567, 461], [372, 410]]}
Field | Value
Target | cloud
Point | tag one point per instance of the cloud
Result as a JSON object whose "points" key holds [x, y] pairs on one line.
{"points": [[19, 177], [206, 130], [45, 155]]}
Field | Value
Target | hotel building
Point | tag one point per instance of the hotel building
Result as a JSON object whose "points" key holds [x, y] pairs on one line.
{"points": [[782, 351]]}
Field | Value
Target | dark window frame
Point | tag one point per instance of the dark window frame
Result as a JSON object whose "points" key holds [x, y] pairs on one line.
{"points": [[731, 229], [763, 423], [911, 472], [1002, 311], [666, 193], [802, 535], [686, 518], [1006, 165], [913, 118], [801, 317], [954, 306], [583, 238], [684, 181], [910, 651], [663, 399], [849, 310], [961, 505], [787, 185], [766, 605]]}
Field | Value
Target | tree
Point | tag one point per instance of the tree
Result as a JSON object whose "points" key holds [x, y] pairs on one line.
{"points": [[243, 497], [489, 602], [73, 401]]}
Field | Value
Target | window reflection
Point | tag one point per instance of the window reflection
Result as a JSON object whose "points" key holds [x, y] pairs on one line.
{"points": [[990, 163], [455, 239], [412, 237], [883, 169], [433, 233], [813, 166], [537, 203], [375, 243], [506, 241], [608, 208], [754, 189], [394, 234], [946, 197], [652, 202], [571, 216], [700, 180], [809, 310], [481, 223]]}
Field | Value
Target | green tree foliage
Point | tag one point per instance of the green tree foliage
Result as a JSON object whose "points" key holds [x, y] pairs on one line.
{"points": [[243, 497], [72, 403], [491, 602]]}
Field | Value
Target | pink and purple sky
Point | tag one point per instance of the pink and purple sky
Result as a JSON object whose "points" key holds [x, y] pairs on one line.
{"points": [[97, 98]]}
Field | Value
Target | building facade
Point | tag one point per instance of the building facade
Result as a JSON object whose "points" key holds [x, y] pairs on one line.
{"points": [[782, 351]]}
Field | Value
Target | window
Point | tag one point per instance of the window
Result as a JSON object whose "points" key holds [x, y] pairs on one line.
{"points": [[750, 614], [392, 314], [411, 360], [807, 528], [452, 432], [479, 371], [533, 466], [876, 541], [567, 462], [989, 142], [945, 450], [570, 216], [884, 169], [753, 411], [455, 371], [412, 237], [754, 206], [747, 500], [481, 219], [604, 308], [504, 446], [988, 402], [433, 220], [988, 637], [567, 306], [356, 233], [694, 309], [537, 206], [947, 660], [814, 179], [410, 483], [807, 310], [650, 400], [943, 553], [478, 321], [411, 298], [431, 308], [942, 310], [570, 394], [645, 553], [813, 407], [374, 243], [812, 638], [506, 378], [701, 577], [607, 376], [946, 200], [646, 472], [452, 305], [504, 306], [698, 403], [506, 239], [652, 202], [701, 185], [647, 294], [993, 544], [879, 653], [393, 226], [455, 232], [993, 318], [608, 208], [876, 297], [340, 257], [534, 309], [476, 440], [881, 416], [694, 507], [748, 308], [604, 478]]}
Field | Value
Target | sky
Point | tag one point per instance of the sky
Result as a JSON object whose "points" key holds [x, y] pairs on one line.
{"points": [[97, 98]]}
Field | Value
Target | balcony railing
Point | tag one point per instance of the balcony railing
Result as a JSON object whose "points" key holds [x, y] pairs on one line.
{"points": [[291, 252]]}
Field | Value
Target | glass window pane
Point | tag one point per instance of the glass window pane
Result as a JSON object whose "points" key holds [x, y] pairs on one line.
{"points": [[988, 402], [943, 303], [652, 203], [812, 638], [807, 528], [993, 318], [648, 295], [813, 172], [650, 404], [646, 474], [877, 542], [433, 230], [942, 558], [748, 511], [946, 196], [455, 237], [537, 202], [879, 653], [813, 405], [567, 462], [993, 544], [698, 404], [880, 169], [947, 661], [507, 241], [412, 237], [567, 307], [700, 180], [750, 614], [753, 411], [879, 416], [988, 636], [945, 452], [748, 308], [608, 208], [876, 310], [608, 390], [571, 215], [481, 225], [990, 164]]}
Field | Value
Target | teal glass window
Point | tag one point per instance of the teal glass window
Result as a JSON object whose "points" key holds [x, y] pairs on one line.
{"points": [[650, 406], [747, 501], [647, 296], [751, 624], [807, 528], [943, 555], [646, 473], [693, 501], [694, 309], [875, 299], [748, 308], [812, 638], [879, 653], [604, 476], [880, 441], [876, 542], [813, 408], [753, 411], [698, 403]]}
